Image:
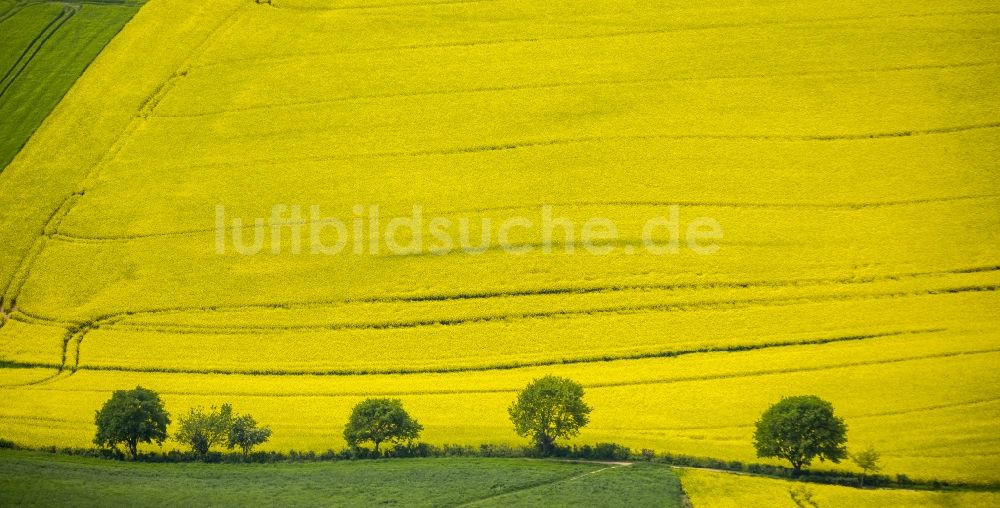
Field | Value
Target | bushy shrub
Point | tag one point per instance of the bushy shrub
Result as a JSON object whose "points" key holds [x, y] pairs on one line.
{"points": [[244, 433], [201, 430]]}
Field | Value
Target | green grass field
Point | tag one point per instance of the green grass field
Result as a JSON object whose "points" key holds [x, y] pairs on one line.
{"points": [[44, 49], [32, 479]]}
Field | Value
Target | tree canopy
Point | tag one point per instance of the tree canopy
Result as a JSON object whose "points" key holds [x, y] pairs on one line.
{"points": [[868, 461], [245, 434], [549, 408], [131, 417], [800, 429], [201, 430], [378, 421]]}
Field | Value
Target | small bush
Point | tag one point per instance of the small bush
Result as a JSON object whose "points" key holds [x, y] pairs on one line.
{"points": [[611, 451]]}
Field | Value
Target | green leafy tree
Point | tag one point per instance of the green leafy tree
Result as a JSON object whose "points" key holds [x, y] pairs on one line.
{"points": [[800, 429], [131, 417], [868, 461], [378, 421], [549, 408], [202, 430], [245, 434]]}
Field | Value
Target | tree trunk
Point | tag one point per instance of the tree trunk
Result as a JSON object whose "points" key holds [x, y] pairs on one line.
{"points": [[545, 444]]}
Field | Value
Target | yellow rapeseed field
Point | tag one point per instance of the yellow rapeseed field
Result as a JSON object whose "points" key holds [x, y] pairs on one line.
{"points": [[850, 154], [718, 490]]}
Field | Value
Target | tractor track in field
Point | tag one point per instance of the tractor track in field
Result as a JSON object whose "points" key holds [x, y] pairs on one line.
{"points": [[51, 226], [113, 318], [70, 336], [76, 331], [502, 495], [597, 385], [573, 84], [37, 382], [12, 11], [517, 316], [36, 44], [31, 44], [570, 141], [20, 275], [591, 36], [879, 414], [526, 364], [70, 237]]}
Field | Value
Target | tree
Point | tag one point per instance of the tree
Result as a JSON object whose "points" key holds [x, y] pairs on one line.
{"points": [[245, 434], [549, 408], [799, 429], [201, 430], [131, 417], [867, 460], [380, 420]]}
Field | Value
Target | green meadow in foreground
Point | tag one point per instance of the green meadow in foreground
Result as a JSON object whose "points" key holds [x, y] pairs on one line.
{"points": [[28, 478]]}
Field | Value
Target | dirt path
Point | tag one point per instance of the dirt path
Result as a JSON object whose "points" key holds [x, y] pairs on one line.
{"points": [[610, 465]]}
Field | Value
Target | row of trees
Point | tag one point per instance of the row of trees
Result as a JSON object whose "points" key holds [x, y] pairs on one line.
{"points": [[797, 429], [136, 416], [548, 409]]}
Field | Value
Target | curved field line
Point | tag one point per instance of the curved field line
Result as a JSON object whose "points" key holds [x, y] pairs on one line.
{"points": [[795, 206], [581, 84], [514, 293], [545, 484], [20, 275], [936, 407], [64, 15], [32, 319], [31, 45], [773, 372], [76, 331], [529, 144], [33, 418], [22, 272], [41, 381], [513, 364], [598, 385], [13, 10], [71, 237], [518, 316], [898, 412], [606, 35], [946, 449]]}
